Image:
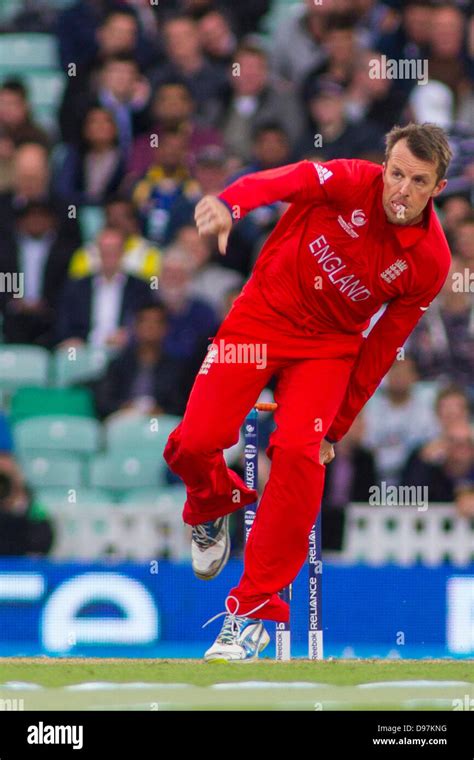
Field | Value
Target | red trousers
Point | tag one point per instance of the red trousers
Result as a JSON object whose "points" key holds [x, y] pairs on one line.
{"points": [[312, 370]]}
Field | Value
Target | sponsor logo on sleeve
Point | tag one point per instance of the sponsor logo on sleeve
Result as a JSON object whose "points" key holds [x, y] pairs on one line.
{"points": [[323, 173]]}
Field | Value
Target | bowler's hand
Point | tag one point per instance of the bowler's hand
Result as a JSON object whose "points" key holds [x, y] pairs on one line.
{"points": [[326, 452], [214, 218]]}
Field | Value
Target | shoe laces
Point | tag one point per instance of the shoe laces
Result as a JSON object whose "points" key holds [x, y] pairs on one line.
{"points": [[202, 534], [232, 621]]}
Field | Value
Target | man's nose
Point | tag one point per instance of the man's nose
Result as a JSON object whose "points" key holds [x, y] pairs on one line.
{"points": [[405, 186]]}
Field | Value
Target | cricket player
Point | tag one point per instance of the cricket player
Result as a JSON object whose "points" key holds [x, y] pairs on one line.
{"points": [[355, 236]]}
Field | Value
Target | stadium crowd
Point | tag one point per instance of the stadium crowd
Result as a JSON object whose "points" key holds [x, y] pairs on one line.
{"points": [[164, 102]]}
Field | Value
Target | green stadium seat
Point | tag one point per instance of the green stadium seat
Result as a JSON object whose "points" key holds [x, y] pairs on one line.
{"points": [[52, 470], [28, 50], [120, 471], [45, 90], [23, 365], [58, 433], [67, 496], [137, 433], [8, 10], [91, 220], [86, 363], [39, 402]]}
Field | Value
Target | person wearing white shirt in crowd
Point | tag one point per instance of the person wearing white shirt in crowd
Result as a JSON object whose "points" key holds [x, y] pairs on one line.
{"points": [[399, 417]]}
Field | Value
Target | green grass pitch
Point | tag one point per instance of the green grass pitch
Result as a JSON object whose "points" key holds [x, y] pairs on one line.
{"points": [[125, 684]]}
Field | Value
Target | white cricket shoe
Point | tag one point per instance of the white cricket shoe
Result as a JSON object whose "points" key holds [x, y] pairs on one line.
{"points": [[241, 638], [210, 548]]}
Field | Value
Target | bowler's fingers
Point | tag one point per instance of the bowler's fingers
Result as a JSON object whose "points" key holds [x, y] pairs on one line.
{"points": [[222, 241]]}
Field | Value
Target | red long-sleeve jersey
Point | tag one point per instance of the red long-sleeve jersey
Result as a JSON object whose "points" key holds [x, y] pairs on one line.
{"points": [[334, 259]]}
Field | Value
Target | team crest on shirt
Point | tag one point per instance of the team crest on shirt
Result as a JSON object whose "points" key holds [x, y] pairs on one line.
{"points": [[395, 270], [358, 219]]}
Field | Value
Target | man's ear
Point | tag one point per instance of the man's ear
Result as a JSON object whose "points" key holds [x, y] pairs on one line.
{"points": [[439, 188]]}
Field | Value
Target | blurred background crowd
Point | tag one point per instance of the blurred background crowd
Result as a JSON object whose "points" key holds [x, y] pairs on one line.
{"points": [[117, 117]]}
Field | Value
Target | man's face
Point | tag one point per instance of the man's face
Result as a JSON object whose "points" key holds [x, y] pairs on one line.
{"points": [[409, 183], [110, 245], [118, 35], [401, 377], [253, 74], [36, 223], [465, 241], [327, 109], [121, 215], [182, 39], [150, 326], [31, 171], [119, 77], [171, 154], [172, 104], [272, 148], [13, 108], [452, 409]]}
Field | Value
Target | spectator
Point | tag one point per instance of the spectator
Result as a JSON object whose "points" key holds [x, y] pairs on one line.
{"points": [[348, 479], [94, 168], [447, 52], [298, 44], [90, 31], [411, 37], [246, 14], [166, 181], [120, 88], [455, 208], [464, 241], [211, 282], [435, 102], [443, 345], [172, 108], [210, 178], [398, 418], [451, 405], [31, 184], [100, 308], [16, 121], [38, 255], [142, 379], [373, 98], [210, 175], [254, 100], [7, 157], [449, 472], [24, 530], [191, 322], [271, 148], [330, 135], [140, 259], [340, 43], [216, 38], [185, 61]]}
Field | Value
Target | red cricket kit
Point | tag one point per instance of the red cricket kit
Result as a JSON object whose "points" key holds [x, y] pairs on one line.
{"points": [[329, 265]]}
